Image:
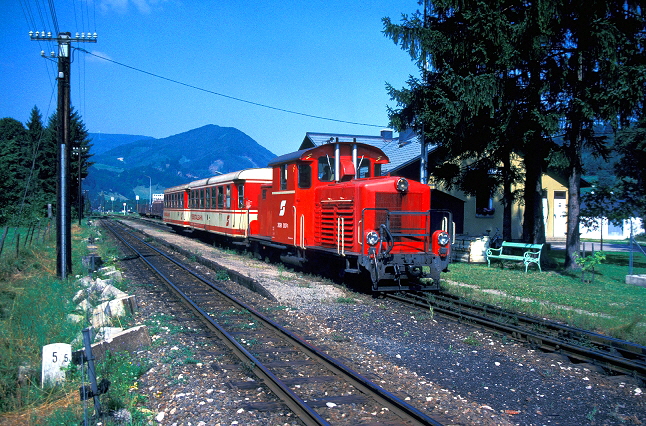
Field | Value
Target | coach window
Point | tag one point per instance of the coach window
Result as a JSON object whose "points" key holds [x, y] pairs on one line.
{"points": [[220, 197], [304, 176], [240, 196], [326, 169], [228, 205]]}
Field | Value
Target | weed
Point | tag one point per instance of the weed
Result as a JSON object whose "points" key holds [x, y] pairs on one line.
{"points": [[592, 413], [249, 325], [349, 300], [222, 275], [471, 340], [339, 338], [179, 356]]}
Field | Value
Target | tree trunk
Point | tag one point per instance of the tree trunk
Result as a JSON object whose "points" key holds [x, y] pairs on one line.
{"points": [[533, 226], [573, 208], [508, 201]]}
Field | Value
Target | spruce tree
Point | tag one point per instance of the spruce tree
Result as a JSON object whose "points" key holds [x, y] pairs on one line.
{"points": [[597, 75], [13, 142]]}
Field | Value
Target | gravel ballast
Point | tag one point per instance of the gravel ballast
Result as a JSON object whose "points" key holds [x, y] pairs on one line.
{"points": [[454, 371]]}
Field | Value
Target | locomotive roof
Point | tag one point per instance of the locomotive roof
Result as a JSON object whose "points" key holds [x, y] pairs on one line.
{"points": [[401, 151], [298, 155], [246, 174]]}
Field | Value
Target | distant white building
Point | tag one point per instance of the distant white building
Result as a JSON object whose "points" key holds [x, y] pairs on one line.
{"points": [[609, 230]]}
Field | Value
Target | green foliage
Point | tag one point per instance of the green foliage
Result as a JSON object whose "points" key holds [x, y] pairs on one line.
{"points": [[123, 371], [589, 262], [23, 329], [29, 157]]}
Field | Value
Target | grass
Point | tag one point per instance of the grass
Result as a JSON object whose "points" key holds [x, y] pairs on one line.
{"points": [[34, 305], [607, 304]]}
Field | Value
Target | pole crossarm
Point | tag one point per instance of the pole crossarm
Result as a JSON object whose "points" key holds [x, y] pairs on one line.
{"points": [[63, 37]]}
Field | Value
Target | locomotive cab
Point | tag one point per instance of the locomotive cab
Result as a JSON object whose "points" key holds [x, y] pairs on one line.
{"points": [[331, 201]]}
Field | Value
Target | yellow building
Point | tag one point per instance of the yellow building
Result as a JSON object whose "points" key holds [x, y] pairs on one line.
{"points": [[484, 216]]}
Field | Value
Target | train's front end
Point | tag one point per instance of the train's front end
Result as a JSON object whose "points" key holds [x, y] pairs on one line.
{"points": [[404, 245]]}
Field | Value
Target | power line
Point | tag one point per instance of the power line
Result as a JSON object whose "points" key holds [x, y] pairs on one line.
{"points": [[230, 97]]}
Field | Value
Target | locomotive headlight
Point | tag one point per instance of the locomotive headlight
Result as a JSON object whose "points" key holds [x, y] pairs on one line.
{"points": [[402, 185], [443, 238], [372, 238]]}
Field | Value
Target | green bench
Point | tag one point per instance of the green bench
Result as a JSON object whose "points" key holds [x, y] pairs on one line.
{"points": [[531, 253]]}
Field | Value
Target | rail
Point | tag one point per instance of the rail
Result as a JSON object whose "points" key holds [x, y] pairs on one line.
{"points": [[305, 410], [585, 346]]}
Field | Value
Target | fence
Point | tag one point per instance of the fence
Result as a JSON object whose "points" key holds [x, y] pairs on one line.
{"points": [[14, 236]]}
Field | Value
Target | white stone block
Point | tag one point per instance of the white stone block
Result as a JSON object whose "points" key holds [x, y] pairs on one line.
{"points": [[111, 292], [115, 275], [55, 357], [114, 308]]}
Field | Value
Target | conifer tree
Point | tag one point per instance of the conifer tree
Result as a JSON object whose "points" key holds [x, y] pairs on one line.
{"points": [[597, 75], [476, 98], [33, 195], [538, 69], [13, 140]]}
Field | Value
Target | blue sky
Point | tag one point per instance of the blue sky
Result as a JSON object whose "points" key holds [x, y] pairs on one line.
{"points": [[323, 58]]}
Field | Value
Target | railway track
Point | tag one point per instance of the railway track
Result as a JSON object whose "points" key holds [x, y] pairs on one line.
{"points": [[315, 386], [615, 355]]}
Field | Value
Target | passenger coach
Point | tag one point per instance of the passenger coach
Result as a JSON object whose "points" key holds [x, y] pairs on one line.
{"points": [[225, 204]]}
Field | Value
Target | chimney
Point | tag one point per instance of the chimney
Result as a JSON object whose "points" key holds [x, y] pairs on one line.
{"points": [[387, 134]]}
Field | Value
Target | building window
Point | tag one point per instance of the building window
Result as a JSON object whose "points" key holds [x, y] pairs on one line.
{"points": [[304, 176], [484, 203]]}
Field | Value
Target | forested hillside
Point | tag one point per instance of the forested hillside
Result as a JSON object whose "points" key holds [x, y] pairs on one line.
{"points": [[149, 165]]}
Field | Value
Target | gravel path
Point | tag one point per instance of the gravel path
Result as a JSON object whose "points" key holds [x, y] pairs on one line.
{"points": [[454, 371]]}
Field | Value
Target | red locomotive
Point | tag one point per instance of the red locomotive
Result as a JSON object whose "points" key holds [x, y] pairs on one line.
{"points": [[328, 203]]}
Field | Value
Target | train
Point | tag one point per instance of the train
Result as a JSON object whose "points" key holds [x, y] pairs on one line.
{"points": [[327, 205], [154, 209]]}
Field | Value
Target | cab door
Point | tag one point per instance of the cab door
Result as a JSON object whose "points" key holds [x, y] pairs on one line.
{"points": [[283, 206]]}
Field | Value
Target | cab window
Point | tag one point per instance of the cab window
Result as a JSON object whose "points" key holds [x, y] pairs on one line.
{"points": [[377, 170], [283, 177], [326, 169], [304, 176]]}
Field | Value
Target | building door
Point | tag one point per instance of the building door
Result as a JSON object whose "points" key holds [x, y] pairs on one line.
{"points": [[560, 214]]}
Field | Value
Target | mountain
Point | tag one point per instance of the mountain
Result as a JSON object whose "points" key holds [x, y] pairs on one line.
{"points": [[102, 142], [130, 165]]}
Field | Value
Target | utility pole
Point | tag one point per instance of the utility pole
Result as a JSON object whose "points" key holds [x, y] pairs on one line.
{"points": [[63, 210]]}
